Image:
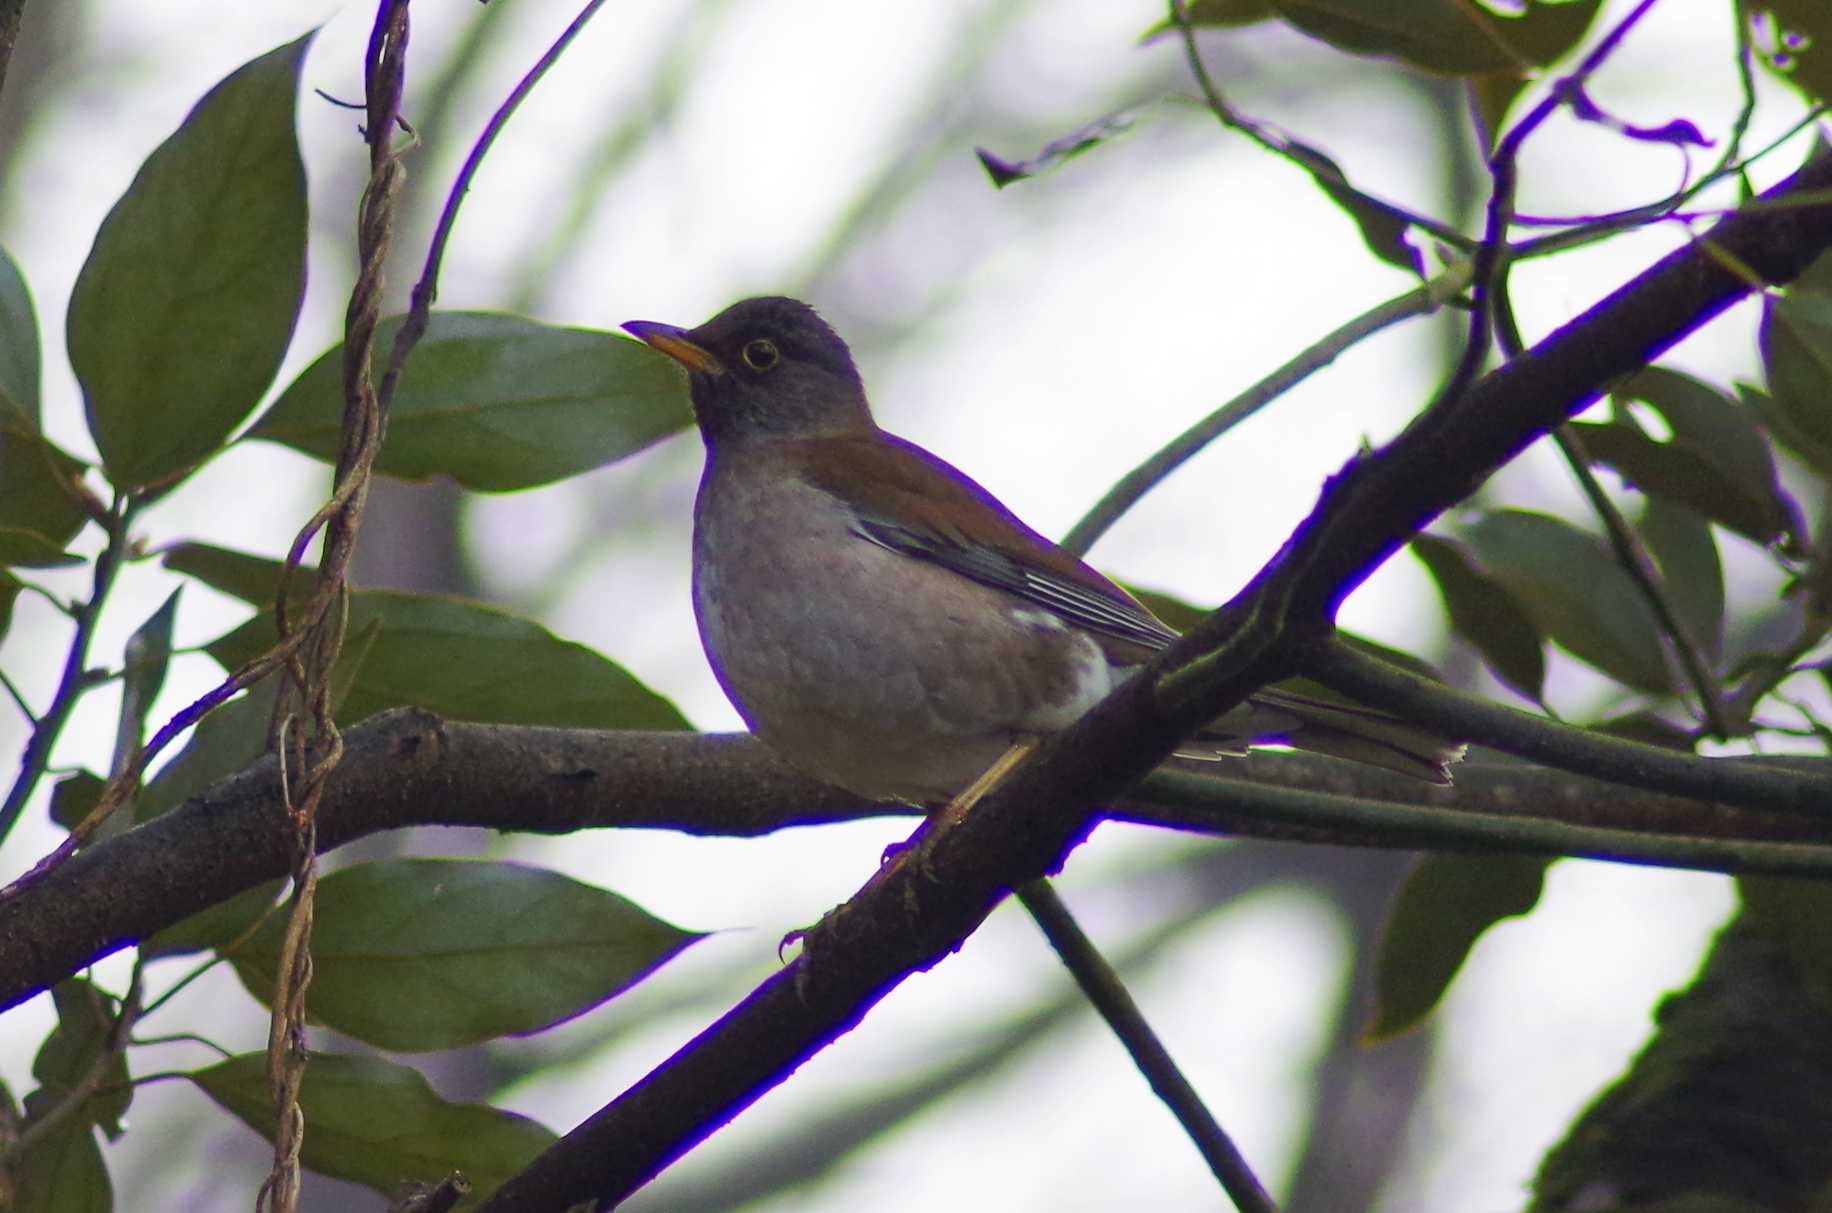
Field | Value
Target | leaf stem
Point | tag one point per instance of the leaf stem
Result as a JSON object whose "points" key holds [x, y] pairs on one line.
{"points": [[74, 680]]}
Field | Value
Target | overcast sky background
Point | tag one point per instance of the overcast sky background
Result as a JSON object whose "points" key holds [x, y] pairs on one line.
{"points": [[1045, 338]]}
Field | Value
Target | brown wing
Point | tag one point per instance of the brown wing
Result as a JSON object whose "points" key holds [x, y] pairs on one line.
{"points": [[912, 503]]}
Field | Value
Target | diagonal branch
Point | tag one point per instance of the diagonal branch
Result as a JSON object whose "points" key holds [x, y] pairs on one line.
{"points": [[1028, 825]]}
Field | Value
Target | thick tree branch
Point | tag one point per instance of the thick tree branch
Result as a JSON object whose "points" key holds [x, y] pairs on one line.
{"points": [[914, 913], [407, 767]]}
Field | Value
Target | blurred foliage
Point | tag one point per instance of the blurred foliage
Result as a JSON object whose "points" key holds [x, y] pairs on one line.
{"points": [[189, 301]]}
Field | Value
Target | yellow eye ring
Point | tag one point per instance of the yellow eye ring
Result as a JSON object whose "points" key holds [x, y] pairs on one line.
{"points": [[760, 355]]}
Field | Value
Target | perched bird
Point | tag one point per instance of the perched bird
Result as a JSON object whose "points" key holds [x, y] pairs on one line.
{"points": [[882, 621]]}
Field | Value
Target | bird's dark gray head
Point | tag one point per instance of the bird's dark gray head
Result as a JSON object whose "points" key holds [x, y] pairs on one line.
{"points": [[765, 368]]}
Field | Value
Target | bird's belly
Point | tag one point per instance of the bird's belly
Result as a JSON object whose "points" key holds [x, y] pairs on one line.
{"points": [[884, 675]]}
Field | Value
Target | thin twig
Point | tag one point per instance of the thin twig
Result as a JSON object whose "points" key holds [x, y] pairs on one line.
{"points": [[427, 288], [1631, 552], [1603, 226], [1142, 479], [72, 683], [12, 692], [1432, 705], [175, 1038], [1492, 254], [1632, 555], [1279, 145], [1103, 988]]}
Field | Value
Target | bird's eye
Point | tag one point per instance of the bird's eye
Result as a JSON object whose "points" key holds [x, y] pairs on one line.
{"points": [[760, 355]]}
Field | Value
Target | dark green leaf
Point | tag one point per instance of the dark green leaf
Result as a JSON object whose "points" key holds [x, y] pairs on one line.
{"points": [[85, 1020], [1796, 342], [414, 954], [186, 304], [19, 353], [377, 1123], [234, 736], [1795, 42], [1680, 541], [1799, 911], [1575, 592], [1443, 908], [216, 927], [1776, 421], [1102, 130], [1489, 97], [1485, 614], [226, 741], [30, 550], [40, 505], [64, 1172], [253, 579], [1648, 728], [9, 590], [1742, 489], [149, 652], [1227, 12], [470, 661], [497, 402], [1449, 37], [1679, 472], [1383, 227], [74, 796]]}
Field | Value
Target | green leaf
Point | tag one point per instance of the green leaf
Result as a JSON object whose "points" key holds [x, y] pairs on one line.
{"points": [[19, 351], [1445, 905], [234, 736], [1799, 911], [1490, 96], [414, 954], [1795, 337], [40, 494], [1679, 472], [470, 661], [218, 926], [1448, 37], [85, 1020], [1483, 612], [376, 1123], [74, 796], [29, 549], [1737, 484], [497, 402], [148, 654], [1793, 39], [9, 590], [1228, 12], [1680, 541], [1575, 592], [228, 740], [64, 1172], [1102, 130], [183, 311], [253, 579], [1383, 227]]}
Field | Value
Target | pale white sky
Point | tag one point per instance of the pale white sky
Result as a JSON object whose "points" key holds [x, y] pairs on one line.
{"points": [[1078, 321]]}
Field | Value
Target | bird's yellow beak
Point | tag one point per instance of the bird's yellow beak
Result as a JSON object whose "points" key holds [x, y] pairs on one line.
{"points": [[674, 342]]}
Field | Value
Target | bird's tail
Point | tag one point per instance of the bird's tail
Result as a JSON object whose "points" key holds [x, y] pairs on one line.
{"points": [[1327, 726]]}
